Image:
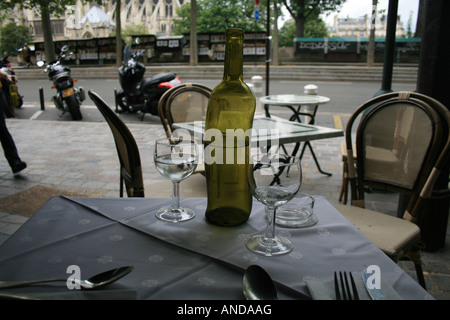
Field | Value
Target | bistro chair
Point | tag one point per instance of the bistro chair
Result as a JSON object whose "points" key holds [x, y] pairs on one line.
{"points": [[402, 142], [184, 103], [127, 150], [343, 194], [162, 111]]}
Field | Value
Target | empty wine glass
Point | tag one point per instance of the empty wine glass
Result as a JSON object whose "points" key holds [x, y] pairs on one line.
{"points": [[176, 159], [274, 181]]}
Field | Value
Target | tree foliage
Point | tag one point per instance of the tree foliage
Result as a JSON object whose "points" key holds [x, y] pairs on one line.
{"points": [[300, 10], [131, 30], [314, 28], [46, 8], [14, 37], [218, 15]]}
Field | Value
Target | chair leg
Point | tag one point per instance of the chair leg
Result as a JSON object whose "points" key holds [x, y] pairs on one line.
{"points": [[341, 193], [420, 277], [345, 182], [121, 187]]}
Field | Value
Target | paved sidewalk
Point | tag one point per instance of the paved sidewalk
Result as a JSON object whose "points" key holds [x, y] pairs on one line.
{"points": [[81, 157]]}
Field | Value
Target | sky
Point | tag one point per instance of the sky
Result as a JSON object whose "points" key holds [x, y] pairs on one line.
{"points": [[358, 8]]}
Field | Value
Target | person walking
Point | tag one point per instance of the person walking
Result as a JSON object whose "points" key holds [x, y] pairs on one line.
{"points": [[9, 147]]}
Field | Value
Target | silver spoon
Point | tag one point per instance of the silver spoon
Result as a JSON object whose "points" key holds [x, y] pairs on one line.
{"points": [[99, 280], [257, 284]]}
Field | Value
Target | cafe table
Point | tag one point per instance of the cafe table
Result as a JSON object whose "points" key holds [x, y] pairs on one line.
{"points": [[270, 131], [181, 261], [295, 102]]}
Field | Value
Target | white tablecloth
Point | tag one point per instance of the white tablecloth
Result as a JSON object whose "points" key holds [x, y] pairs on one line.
{"points": [[188, 260]]}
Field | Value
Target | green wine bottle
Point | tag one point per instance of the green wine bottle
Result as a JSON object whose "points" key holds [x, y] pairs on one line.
{"points": [[229, 120]]}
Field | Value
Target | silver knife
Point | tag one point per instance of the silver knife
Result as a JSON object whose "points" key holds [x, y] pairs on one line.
{"points": [[375, 293]]}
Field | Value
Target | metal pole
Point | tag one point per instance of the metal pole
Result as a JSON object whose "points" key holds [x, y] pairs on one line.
{"points": [[433, 81], [389, 51], [41, 98]]}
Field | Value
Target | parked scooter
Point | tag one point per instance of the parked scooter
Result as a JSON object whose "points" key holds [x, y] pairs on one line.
{"points": [[137, 93], [68, 98], [14, 99]]}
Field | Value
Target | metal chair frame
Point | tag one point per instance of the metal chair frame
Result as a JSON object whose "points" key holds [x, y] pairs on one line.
{"points": [[435, 160], [164, 105], [127, 150]]}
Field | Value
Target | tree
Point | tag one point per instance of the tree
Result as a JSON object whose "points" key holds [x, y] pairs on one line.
{"points": [[409, 32], [217, 16], [300, 10], [287, 34], [131, 30], [47, 8], [118, 34], [193, 54], [371, 47], [314, 28], [14, 37], [275, 38]]}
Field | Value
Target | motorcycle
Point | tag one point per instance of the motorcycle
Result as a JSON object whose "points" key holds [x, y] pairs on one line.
{"points": [[10, 90], [139, 93], [68, 98]]}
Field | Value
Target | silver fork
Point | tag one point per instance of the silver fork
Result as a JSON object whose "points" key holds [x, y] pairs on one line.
{"points": [[342, 287]]}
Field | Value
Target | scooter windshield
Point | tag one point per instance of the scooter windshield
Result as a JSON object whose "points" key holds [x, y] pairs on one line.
{"points": [[126, 54]]}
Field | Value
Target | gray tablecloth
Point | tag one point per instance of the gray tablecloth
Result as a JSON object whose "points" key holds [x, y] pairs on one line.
{"points": [[189, 260]]}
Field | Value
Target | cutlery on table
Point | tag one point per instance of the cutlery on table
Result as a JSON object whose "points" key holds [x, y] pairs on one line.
{"points": [[374, 293], [258, 285], [342, 287], [96, 281]]}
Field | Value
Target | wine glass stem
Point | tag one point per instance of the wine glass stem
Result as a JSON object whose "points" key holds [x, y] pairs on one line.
{"points": [[176, 195], [270, 217]]}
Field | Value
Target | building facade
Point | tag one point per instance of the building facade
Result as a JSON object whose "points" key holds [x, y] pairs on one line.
{"points": [[360, 27], [84, 21]]}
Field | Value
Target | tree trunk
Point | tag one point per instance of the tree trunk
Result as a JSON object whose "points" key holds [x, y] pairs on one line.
{"points": [[47, 33], [118, 35], [300, 26], [193, 51], [371, 48], [275, 35]]}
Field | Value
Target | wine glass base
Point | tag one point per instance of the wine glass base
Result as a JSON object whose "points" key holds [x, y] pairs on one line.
{"points": [[170, 214], [260, 244], [294, 217]]}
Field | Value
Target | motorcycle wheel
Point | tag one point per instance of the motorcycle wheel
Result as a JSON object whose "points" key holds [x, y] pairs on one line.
{"points": [[122, 101], [20, 102], [152, 107], [74, 107]]}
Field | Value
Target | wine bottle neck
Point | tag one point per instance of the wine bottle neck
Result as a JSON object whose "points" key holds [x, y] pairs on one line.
{"points": [[234, 54]]}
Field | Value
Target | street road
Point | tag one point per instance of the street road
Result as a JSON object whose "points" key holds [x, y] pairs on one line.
{"points": [[345, 97]]}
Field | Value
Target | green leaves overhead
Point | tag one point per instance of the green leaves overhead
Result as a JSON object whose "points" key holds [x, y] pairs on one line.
{"points": [[13, 37], [218, 15]]}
